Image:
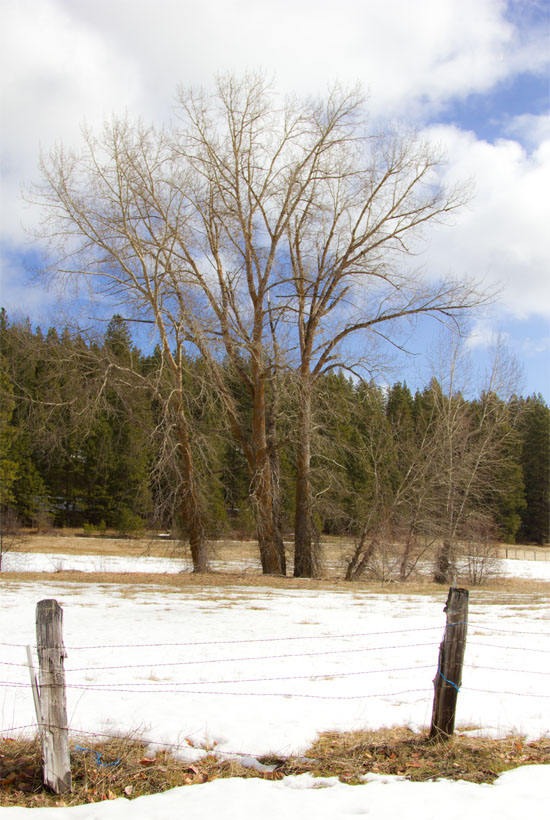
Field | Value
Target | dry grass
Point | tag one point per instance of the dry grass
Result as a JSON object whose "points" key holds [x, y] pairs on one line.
{"points": [[118, 767], [496, 590], [350, 755], [122, 767], [76, 542], [180, 582]]}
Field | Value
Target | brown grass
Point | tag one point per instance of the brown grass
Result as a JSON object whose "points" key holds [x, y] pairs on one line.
{"points": [[124, 769], [189, 580], [496, 590], [76, 542], [348, 756], [401, 751]]}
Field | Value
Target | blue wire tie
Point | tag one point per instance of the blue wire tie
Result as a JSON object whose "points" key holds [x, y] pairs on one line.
{"points": [[98, 757], [449, 681]]}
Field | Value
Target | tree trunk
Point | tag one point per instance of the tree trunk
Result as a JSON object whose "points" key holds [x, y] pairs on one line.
{"points": [[272, 553], [303, 536], [445, 568], [306, 553], [265, 494], [191, 506], [404, 565], [275, 467], [361, 558]]}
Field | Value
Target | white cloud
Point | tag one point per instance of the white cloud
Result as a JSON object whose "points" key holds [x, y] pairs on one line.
{"points": [[63, 60], [533, 347], [502, 236], [70, 57], [67, 58], [403, 51], [55, 71], [20, 297], [530, 129], [484, 335]]}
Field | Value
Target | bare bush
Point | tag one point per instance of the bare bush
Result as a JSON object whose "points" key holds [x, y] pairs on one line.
{"points": [[10, 540]]}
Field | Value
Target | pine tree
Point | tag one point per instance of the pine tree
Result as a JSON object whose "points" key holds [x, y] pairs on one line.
{"points": [[123, 433], [9, 467], [535, 463], [21, 487]]}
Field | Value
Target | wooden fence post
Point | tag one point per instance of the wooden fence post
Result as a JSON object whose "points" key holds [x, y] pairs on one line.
{"points": [[35, 692], [53, 705], [448, 679]]}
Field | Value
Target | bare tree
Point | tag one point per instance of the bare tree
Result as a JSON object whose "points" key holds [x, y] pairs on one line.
{"points": [[398, 528], [178, 465], [368, 201], [251, 215], [10, 540], [302, 204], [106, 221], [438, 476], [469, 466]]}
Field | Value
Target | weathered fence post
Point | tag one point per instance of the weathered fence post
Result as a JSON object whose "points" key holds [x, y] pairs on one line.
{"points": [[448, 679], [35, 692], [53, 705]]}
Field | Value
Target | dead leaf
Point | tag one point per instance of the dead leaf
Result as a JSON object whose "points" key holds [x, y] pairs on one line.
{"points": [[128, 790]]}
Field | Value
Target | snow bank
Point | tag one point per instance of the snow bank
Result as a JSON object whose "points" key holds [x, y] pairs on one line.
{"points": [[515, 794]]}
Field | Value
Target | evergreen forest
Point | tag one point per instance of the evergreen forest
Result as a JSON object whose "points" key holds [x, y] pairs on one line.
{"points": [[86, 441]]}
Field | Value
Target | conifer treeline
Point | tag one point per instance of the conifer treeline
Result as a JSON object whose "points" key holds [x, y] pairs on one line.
{"points": [[81, 447]]}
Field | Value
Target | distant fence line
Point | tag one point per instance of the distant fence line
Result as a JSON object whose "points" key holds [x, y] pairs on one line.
{"points": [[524, 554]]}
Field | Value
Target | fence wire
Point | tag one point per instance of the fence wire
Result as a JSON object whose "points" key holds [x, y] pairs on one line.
{"points": [[216, 687]]}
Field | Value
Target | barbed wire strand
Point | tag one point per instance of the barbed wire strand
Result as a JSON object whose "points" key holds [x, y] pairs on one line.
{"points": [[75, 647], [274, 639]]}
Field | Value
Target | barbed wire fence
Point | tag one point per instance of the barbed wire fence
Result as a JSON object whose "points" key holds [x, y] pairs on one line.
{"points": [[216, 684]]}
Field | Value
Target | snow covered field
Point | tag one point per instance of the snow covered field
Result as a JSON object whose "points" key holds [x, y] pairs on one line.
{"points": [[56, 562], [257, 670]]}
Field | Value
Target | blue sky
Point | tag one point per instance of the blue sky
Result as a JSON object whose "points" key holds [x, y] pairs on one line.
{"points": [[473, 75], [489, 115]]}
